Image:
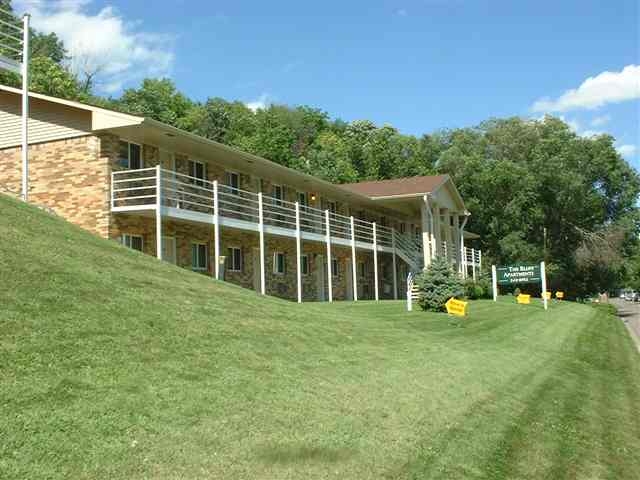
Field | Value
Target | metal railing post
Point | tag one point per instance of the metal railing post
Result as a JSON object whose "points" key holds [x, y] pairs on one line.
{"points": [[263, 287], [298, 253], [375, 261], [159, 212], [216, 230], [353, 261], [25, 108], [328, 240], [395, 270]]}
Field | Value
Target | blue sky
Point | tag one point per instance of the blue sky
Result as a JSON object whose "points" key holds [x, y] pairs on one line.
{"points": [[419, 65]]}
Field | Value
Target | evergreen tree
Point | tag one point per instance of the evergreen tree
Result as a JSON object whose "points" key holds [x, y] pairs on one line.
{"points": [[437, 284]]}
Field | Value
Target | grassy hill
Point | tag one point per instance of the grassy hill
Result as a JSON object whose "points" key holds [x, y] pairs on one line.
{"points": [[115, 365]]}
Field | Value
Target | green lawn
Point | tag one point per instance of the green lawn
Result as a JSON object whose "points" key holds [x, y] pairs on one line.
{"points": [[114, 365]]}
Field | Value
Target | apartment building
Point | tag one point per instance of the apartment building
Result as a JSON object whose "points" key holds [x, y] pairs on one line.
{"points": [[230, 215]]}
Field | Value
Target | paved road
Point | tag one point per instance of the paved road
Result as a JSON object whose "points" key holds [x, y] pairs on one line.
{"points": [[630, 314]]}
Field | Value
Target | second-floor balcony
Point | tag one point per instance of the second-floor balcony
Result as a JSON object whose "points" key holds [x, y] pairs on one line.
{"points": [[179, 196]]}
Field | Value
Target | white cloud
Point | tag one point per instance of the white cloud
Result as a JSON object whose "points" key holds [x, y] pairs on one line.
{"points": [[260, 103], [105, 42], [627, 150], [590, 133], [601, 120], [594, 92]]}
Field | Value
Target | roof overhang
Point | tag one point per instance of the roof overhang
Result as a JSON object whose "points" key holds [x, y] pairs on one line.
{"points": [[443, 195]]}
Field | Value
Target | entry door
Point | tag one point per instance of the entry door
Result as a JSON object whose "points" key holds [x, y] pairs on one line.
{"points": [[349, 275], [169, 249], [256, 269], [321, 271]]}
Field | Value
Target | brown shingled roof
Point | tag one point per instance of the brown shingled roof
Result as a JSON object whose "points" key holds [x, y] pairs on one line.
{"points": [[397, 186]]}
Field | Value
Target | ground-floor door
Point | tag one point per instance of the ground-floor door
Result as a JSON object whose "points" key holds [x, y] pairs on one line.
{"points": [[321, 269], [169, 249], [349, 275], [256, 270]]}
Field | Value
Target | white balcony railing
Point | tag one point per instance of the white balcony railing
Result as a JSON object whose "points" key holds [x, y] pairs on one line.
{"points": [[139, 190]]}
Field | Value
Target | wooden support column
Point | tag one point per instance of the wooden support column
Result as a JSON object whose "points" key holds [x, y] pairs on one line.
{"points": [[375, 261], [463, 250], [216, 229], [298, 253], [456, 240], [426, 231], [447, 233], [354, 283], [263, 286], [438, 231], [328, 240]]}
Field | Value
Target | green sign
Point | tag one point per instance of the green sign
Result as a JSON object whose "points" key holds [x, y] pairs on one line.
{"points": [[513, 274]]}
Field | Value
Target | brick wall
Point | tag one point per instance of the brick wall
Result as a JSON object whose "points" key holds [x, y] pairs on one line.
{"points": [[69, 176]]}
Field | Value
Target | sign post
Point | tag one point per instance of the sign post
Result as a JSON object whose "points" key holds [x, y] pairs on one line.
{"points": [[544, 284], [494, 283]]}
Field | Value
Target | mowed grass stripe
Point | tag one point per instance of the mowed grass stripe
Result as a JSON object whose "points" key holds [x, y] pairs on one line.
{"points": [[115, 365]]}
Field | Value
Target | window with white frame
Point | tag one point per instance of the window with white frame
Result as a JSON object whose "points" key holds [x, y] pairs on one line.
{"points": [[132, 241], [130, 155], [233, 181], [304, 264], [198, 170], [199, 257], [279, 263], [335, 267], [234, 259]]}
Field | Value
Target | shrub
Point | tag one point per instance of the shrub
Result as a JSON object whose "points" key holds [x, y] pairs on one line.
{"points": [[438, 284], [480, 288]]}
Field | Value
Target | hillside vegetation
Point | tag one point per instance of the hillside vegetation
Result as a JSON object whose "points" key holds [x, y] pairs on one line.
{"points": [[115, 365]]}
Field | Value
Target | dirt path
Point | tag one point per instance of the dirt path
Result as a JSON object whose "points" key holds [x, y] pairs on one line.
{"points": [[629, 313]]}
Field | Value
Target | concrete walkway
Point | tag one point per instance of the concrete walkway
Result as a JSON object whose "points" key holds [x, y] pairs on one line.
{"points": [[629, 313]]}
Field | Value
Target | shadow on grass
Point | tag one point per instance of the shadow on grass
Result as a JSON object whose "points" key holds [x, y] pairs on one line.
{"points": [[292, 454]]}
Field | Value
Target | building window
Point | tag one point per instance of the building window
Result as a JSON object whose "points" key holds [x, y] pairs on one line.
{"points": [[234, 259], [277, 192], [403, 227], [303, 199], [332, 207], [132, 241], [362, 270], [304, 264], [335, 267], [233, 181], [130, 155], [278, 263], [198, 171], [199, 257]]}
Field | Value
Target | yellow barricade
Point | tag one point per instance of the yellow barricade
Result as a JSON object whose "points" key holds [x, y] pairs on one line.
{"points": [[547, 295], [524, 299], [456, 307], [559, 295]]}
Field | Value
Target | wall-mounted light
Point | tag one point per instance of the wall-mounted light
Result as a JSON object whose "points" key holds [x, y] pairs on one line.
{"points": [[313, 197]]}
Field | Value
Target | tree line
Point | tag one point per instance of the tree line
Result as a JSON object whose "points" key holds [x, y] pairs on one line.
{"points": [[535, 188]]}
